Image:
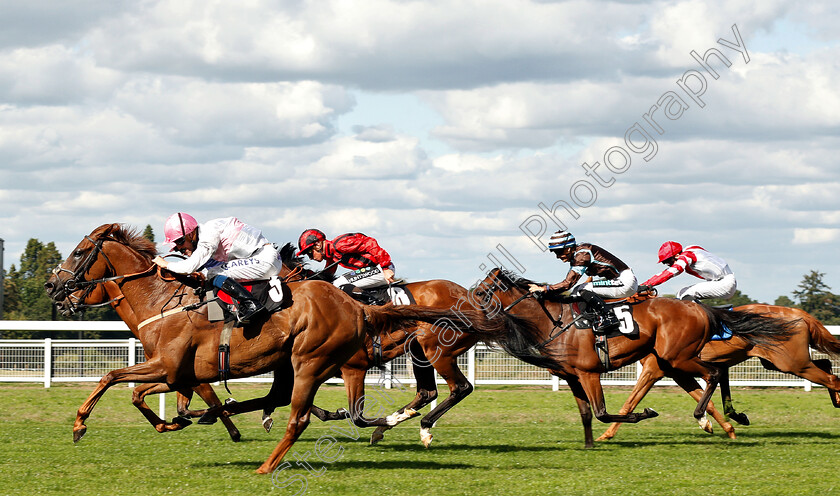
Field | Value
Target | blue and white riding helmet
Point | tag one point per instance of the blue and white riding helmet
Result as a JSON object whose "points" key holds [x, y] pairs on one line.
{"points": [[561, 240]]}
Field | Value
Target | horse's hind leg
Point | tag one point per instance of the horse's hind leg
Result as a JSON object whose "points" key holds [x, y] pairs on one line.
{"points": [[426, 393], [306, 383], [726, 398], [459, 388], [690, 386], [824, 364]]}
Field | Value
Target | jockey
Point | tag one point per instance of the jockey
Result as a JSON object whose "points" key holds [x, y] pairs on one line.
{"points": [[372, 266], [615, 278], [719, 281], [226, 251]]}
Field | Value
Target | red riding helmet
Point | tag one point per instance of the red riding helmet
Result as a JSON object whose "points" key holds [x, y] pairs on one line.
{"points": [[669, 249], [309, 238]]}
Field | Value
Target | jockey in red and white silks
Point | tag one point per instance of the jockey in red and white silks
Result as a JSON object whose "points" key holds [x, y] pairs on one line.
{"points": [[718, 279], [229, 247], [371, 263]]}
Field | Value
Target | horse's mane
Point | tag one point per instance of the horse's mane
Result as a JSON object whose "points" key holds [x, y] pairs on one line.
{"points": [[131, 237], [287, 256], [514, 279]]}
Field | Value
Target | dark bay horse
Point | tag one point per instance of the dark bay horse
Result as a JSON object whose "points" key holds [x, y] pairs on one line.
{"points": [[792, 356], [429, 347], [542, 333], [304, 344]]}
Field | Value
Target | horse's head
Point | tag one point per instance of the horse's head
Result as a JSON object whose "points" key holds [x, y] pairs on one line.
{"points": [[74, 284], [294, 268]]}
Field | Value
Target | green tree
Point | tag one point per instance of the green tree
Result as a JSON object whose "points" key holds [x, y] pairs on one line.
{"points": [[815, 298], [149, 233], [36, 265], [784, 301]]}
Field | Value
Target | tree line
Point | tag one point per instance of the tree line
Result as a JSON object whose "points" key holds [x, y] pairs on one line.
{"points": [[25, 298]]}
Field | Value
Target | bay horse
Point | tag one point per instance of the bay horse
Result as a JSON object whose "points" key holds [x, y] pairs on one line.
{"points": [[304, 344], [429, 347], [792, 356], [542, 333]]}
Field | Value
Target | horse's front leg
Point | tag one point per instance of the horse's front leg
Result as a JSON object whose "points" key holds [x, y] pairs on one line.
{"points": [[651, 372], [584, 408], [591, 383], [138, 399], [208, 394], [149, 371]]}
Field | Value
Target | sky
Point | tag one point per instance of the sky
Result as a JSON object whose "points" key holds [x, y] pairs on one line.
{"points": [[459, 134]]}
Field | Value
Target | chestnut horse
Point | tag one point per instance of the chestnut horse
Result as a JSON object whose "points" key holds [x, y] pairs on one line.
{"points": [[430, 348], [304, 344], [542, 333], [792, 356]]}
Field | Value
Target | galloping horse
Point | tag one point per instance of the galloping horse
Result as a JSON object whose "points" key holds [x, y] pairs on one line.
{"points": [[792, 356], [429, 347], [304, 345], [542, 333]]}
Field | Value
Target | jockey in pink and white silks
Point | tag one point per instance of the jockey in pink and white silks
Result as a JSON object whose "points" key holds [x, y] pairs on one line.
{"points": [[226, 251], [718, 279]]}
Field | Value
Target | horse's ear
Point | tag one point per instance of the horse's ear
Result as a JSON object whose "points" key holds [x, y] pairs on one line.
{"points": [[104, 230]]}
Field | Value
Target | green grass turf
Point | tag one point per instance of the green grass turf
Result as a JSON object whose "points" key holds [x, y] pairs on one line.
{"points": [[498, 441]]}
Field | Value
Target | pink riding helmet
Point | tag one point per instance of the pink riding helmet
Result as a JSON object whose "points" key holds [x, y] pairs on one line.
{"points": [[177, 226]]}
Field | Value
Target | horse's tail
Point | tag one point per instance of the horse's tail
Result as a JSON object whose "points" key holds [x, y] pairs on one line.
{"points": [[758, 329], [821, 339], [525, 340], [387, 318]]}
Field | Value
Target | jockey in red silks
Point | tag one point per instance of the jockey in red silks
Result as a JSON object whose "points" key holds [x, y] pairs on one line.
{"points": [[226, 251], [719, 281], [615, 279], [372, 265]]}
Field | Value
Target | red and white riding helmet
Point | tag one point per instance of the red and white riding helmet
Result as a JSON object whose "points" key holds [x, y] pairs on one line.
{"points": [[309, 238], [669, 249], [177, 226]]}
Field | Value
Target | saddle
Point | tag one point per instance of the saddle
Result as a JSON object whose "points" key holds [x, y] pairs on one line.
{"points": [[398, 294], [626, 326], [273, 293]]}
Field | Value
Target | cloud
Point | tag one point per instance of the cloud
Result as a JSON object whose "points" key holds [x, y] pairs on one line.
{"points": [[815, 236]]}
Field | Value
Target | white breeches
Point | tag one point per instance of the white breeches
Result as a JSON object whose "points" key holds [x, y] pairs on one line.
{"points": [[722, 288], [366, 277], [263, 264], [622, 287]]}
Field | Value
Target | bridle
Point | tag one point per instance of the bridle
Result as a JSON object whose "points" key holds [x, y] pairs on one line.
{"points": [[77, 282], [540, 298]]}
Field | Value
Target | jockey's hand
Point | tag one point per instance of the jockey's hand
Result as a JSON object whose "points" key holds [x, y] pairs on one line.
{"points": [[643, 288], [160, 261], [389, 275], [535, 288]]}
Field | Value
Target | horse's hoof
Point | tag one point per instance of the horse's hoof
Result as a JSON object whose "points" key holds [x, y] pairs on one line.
{"points": [[604, 437], [376, 436], [181, 421], [235, 437], [741, 418], [426, 437], [705, 424], [342, 413], [78, 433], [650, 413], [208, 419], [267, 423]]}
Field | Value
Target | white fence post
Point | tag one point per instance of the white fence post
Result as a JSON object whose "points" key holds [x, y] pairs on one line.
{"points": [[47, 362], [132, 353], [162, 406], [471, 365]]}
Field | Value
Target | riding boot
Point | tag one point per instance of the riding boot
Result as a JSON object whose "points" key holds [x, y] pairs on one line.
{"points": [[246, 305], [604, 318]]}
